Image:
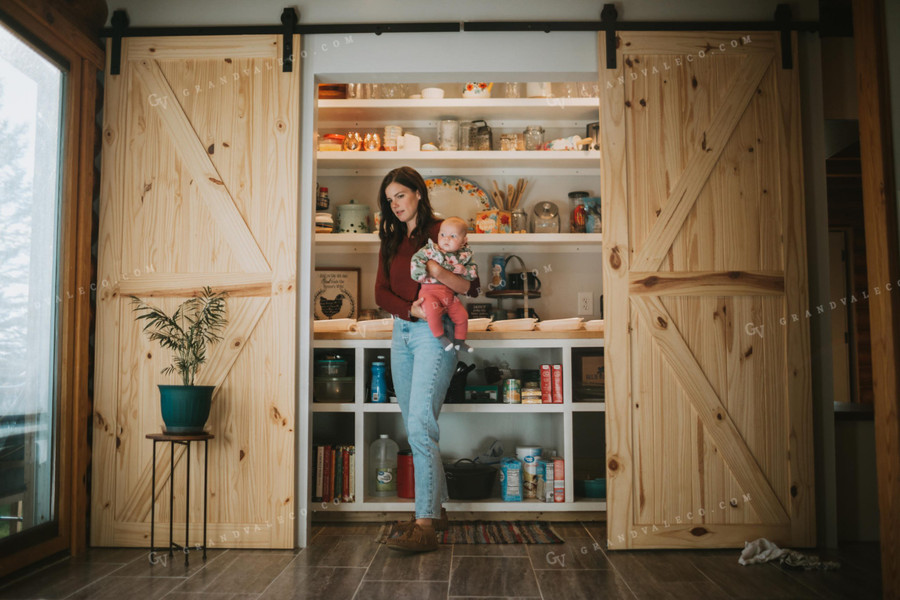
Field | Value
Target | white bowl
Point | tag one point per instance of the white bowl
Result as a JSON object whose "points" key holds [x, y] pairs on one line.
{"points": [[432, 93]]}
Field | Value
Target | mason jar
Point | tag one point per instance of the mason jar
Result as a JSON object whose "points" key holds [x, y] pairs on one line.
{"points": [[534, 137]]}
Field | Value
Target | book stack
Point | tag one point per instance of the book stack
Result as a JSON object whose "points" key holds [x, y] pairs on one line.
{"points": [[333, 473]]}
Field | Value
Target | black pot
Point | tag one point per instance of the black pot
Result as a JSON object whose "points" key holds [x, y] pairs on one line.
{"points": [[468, 480]]}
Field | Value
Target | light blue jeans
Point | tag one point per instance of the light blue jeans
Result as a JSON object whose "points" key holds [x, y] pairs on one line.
{"points": [[421, 370]]}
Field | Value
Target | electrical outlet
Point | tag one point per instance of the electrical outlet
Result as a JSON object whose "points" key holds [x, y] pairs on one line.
{"points": [[585, 303]]}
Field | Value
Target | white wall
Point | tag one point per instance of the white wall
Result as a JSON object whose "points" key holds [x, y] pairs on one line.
{"points": [[507, 56]]}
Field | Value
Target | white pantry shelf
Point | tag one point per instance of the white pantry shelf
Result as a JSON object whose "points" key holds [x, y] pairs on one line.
{"points": [[349, 112], [327, 243]]}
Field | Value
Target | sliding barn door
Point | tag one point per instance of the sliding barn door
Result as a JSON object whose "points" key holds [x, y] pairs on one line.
{"points": [[709, 404], [199, 187]]}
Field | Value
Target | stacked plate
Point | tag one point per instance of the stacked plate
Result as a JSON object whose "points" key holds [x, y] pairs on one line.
{"points": [[513, 325], [479, 324], [364, 328], [324, 222], [332, 325], [571, 324]]}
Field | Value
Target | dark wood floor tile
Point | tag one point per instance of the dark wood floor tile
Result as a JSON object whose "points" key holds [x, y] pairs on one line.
{"points": [[239, 571], [576, 553], [492, 597], [370, 529], [582, 585], [58, 580], [203, 596], [754, 581], [570, 529], [492, 576], [402, 590], [680, 590], [339, 551], [597, 530], [116, 588], [490, 550], [847, 582], [865, 556], [112, 555], [160, 564], [394, 565], [649, 572], [299, 582]]}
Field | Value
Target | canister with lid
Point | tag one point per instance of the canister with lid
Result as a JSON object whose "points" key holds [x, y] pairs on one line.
{"points": [[353, 218], [546, 218]]}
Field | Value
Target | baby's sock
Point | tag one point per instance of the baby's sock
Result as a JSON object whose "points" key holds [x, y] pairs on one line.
{"points": [[446, 342], [462, 346]]}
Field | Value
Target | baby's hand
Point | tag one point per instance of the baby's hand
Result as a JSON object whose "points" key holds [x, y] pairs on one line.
{"points": [[459, 269]]}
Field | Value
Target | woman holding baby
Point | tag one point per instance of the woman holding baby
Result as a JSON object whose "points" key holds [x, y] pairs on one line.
{"points": [[429, 326]]}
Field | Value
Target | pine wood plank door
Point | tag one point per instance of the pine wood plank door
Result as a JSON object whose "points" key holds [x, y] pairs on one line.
{"points": [[199, 187], [709, 434]]}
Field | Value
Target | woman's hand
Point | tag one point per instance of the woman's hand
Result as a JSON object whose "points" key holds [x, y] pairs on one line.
{"points": [[416, 309], [433, 269]]}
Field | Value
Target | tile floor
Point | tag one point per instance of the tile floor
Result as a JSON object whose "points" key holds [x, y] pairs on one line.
{"points": [[344, 562]]}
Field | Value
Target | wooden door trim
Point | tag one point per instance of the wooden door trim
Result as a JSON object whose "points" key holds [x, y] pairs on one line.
{"points": [[717, 422], [883, 261], [706, 283], [213, 191], [617, 254], [184, 284], [696, 172]]}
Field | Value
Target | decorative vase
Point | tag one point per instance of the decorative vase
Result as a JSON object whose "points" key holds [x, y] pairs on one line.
{"points": [[185, 408]]}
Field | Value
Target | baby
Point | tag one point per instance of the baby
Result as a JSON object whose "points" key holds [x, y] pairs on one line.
{"points": [[452, 253]]}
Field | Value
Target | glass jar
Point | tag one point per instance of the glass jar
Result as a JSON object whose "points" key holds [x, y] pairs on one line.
{"points": [[519, 221], [546, 218], [448, 135], [534, 137], [579, 212]]}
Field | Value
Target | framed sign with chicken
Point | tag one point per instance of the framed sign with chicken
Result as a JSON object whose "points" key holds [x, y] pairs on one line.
{"points": [[335, 293]]}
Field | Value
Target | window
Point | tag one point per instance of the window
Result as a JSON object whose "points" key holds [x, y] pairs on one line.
{"points": [[31, 101]]}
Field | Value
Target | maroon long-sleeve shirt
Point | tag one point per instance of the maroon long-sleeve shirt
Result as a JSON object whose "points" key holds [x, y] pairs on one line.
{"points": [[397, 293]]}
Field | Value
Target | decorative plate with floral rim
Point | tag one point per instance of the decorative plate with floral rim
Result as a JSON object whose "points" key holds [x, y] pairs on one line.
{"points": [[453, 196]]}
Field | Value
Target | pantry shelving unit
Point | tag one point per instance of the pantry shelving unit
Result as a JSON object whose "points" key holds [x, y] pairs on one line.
{"points": [[356, 173], [568, 410]]}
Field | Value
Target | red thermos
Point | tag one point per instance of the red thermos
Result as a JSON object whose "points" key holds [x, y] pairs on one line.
{"points": [[406, 475]]}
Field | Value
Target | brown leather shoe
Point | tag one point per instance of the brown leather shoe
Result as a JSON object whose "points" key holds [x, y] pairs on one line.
{"points": [[442, 524], [418, 538]]}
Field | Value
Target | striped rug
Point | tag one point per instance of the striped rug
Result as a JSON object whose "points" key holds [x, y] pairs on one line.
{"points": [[488, 532]]}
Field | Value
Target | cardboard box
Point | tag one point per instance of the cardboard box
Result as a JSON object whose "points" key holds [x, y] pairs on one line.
{"points": [[545, 480], [546, 384], [592, 371], [557, 384], [493, 221]]}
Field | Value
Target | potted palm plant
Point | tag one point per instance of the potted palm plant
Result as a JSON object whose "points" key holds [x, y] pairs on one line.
{"points": [[199, 321]]}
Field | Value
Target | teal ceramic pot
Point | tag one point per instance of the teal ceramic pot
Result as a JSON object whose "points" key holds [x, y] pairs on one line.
{"points": [[185, 408]]}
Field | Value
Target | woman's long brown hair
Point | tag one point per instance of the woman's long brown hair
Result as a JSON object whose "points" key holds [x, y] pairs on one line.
{"points": [[392, 231]]}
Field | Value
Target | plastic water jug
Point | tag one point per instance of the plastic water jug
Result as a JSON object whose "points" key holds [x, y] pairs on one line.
{"points": [[383, 469]]}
